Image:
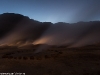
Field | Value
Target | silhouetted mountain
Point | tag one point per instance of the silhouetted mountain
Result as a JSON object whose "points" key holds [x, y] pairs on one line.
{"points": [[17, 29], [16, 24], [8, 21]]}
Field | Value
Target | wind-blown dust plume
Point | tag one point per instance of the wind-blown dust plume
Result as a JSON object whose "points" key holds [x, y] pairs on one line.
{"points": [[71, 34], [23, 30], [19, 30]]}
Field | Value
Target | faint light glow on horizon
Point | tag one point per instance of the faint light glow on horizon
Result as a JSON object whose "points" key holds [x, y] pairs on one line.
{"points": [[69, 11]]}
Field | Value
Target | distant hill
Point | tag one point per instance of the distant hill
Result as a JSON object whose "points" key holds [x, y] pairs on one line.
{"points": [[18, 30]]}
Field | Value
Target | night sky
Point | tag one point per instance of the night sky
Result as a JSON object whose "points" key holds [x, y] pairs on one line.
{"points": [[69, 11]]}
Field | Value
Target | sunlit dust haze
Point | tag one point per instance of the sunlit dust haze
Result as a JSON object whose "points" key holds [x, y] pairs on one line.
{"points": [[20, 30], [78, 34], [72, 23]]}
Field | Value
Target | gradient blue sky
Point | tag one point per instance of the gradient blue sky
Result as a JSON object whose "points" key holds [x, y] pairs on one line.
{"points": [[54, 10]]}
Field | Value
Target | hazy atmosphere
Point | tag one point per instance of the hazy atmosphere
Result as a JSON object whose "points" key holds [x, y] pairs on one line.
{"points": [[49, 37], [70, 22], [19, 30]]}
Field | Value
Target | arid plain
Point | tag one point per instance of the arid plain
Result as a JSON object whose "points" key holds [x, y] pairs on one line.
{"points": [[52, 61]]}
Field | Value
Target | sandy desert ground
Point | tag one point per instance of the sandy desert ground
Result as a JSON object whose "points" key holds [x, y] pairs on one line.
{"points": [[53, 61]]}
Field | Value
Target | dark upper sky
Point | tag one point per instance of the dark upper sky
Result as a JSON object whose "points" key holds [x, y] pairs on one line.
{"points": [[54, 10]]}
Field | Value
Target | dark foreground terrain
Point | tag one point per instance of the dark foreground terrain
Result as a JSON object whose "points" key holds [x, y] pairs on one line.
{"points": [[53, 61]]}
